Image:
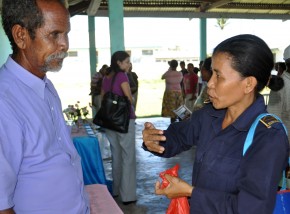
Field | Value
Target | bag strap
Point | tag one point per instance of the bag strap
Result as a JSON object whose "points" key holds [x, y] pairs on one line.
{"points": [[250, 136]]}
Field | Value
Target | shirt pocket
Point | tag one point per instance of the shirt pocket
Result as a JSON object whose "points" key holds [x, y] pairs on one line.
{"points": [[225, 165]]}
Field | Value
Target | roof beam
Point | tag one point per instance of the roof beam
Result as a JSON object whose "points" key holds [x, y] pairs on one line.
{"points": [[256, 6], [206, 6], [79, 8], [190, 15]]}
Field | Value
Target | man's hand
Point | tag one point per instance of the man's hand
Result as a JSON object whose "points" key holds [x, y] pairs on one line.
{"points": [[176, 188], [151, 138]]}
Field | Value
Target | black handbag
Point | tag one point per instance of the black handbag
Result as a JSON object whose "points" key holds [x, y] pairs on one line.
{"points": [[114, 113]]}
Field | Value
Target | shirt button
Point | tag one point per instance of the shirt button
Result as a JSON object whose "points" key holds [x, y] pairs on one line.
{"points": [[59, 138], [51, 108]]}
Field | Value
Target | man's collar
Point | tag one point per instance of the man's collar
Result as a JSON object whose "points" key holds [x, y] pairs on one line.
{"points": [[33, 82]]}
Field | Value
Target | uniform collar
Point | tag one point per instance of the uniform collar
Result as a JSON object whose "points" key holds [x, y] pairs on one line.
{"points": [[245, 120], [36, 84]]}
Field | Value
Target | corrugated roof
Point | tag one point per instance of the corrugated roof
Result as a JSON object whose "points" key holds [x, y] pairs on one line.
{"points": [[271, 9]]}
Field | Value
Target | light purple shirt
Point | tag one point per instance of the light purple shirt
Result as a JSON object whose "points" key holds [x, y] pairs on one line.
{"points": [[40, 170]]}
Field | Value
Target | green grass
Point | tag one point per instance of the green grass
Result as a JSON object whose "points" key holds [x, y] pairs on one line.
{"points": [[150, 98]]}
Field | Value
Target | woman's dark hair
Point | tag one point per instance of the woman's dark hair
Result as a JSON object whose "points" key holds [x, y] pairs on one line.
{"points": [[251, 56], [173, 64], [24, 13], [276, 83], [117, 56], [207, 65]]}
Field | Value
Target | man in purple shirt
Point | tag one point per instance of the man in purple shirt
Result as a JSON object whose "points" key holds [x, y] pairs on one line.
{"points": [[40, 170]]}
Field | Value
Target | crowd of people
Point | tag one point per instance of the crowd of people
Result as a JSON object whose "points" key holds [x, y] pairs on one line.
{"points": [[185, 87]]}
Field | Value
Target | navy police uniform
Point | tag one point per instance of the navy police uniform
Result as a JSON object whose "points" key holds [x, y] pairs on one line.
{"points": [[225, 181]]}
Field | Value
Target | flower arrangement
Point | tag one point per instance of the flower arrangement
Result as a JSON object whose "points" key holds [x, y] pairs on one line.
{"points": [[74, 112]]}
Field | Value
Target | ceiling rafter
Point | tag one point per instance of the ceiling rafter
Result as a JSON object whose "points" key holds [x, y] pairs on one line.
{"points": [[207, 6], [179, 8], [257, 6]]}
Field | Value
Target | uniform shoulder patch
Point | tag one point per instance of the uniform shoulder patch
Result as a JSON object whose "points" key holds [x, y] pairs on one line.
{"points": [[269, 120]]}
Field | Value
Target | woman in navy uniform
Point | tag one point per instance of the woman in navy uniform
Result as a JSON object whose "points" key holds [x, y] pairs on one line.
{"points": [[223, 180]]}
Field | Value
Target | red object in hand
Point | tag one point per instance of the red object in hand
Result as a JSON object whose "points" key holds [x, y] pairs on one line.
{"points": [[177, 205]]}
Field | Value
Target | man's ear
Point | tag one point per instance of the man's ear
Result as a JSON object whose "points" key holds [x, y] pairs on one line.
{"points": [[250, 84], [20, 35]]}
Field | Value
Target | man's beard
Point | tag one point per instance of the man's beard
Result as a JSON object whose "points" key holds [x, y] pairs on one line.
{"points": [[50, 65]]}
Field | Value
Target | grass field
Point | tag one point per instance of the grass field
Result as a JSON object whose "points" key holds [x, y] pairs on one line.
{"points": [[149, 96], [73, 84]]}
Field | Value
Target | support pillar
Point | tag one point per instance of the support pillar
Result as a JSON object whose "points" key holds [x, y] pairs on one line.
{"points": [[92, 50], [202, 38], [116, 19]]}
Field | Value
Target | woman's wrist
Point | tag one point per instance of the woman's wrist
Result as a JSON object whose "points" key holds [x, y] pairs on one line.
{"points": [[190, 191]]}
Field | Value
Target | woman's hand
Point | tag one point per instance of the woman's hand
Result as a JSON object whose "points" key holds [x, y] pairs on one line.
{"points": [[151, 138], [176, 188]]}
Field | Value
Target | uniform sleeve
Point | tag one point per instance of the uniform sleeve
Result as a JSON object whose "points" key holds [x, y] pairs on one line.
{"points": [[181, 136], [260, 171], [10, 156]]}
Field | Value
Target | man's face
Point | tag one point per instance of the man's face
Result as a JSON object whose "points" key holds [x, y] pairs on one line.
{"points": [[47, 51]]}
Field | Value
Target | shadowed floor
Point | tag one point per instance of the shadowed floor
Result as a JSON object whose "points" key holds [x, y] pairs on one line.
{"points": [[148, 169]]}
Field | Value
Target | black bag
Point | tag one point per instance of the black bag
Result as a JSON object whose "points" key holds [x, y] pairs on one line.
{"points": [[114, 113]]}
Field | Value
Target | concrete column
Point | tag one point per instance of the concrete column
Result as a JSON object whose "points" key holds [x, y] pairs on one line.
{"points": [[116, 16], [5, 47], [203, 38], [92, 45], [92, 50]]}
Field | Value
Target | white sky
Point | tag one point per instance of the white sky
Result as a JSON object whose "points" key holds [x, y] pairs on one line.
{"points": [[172, 32]]}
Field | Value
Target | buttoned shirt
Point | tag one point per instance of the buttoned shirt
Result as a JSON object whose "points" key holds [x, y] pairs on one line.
{"points": [[224, 180], [40, 170]]}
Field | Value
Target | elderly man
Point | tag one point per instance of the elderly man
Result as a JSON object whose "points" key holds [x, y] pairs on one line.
{"points": [[40, 169]]}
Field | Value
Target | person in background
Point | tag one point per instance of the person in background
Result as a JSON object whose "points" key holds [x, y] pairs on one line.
{"points": [[40, 169], [190, 81], [206, 74], [200, 64], [281, 67], [200, 83], [279, 100], [223, 179], [172, 97], [122, 144], [183, 69], [134, 85], [96, 85]]}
